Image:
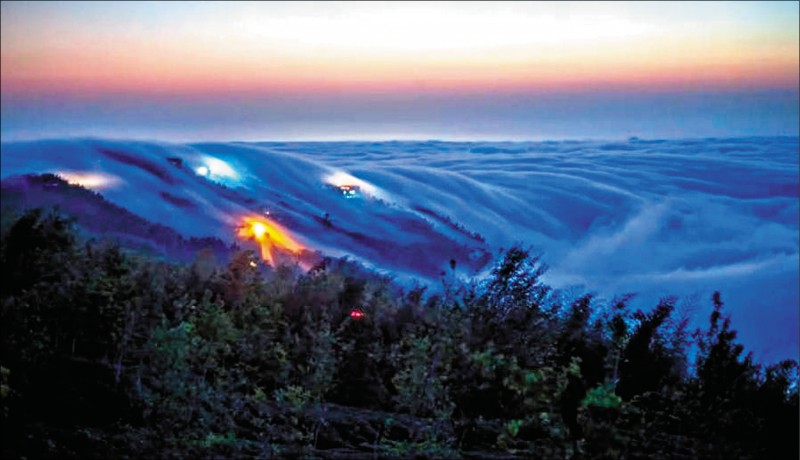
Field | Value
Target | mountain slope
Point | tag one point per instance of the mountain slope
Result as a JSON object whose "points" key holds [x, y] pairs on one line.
{"points": [[656, 217]]}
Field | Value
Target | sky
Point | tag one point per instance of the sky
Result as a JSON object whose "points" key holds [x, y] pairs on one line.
{"points": [[190, 71]]}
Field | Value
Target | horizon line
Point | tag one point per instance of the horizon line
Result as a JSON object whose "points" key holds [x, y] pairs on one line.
{"points": [[632, 138]]}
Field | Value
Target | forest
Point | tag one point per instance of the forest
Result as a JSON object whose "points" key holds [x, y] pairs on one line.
{"points": [[109, 352]]}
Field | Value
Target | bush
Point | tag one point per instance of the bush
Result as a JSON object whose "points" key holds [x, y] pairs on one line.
{"points": [[110, 353]]}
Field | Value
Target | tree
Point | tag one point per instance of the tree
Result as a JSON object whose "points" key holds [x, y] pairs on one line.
{"points": [[515, 282], [646, 365]]}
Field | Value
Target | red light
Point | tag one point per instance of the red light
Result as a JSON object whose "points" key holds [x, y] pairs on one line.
{"points": [[356, 314]]}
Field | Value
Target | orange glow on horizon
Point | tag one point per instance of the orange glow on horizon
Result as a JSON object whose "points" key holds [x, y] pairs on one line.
{"points": [[308, 69], [257, 65], [777, 72], [271, 237]]}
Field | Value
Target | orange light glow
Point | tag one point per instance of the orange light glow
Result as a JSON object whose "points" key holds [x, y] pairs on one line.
{"points": [[271, 237], [259, 230]]}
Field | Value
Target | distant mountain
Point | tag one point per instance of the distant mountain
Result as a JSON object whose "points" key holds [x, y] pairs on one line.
{"points": [[98, 217], [207, 190]]}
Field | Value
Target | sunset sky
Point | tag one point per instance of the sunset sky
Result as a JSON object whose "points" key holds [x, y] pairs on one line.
{"points": [[364, 70]]}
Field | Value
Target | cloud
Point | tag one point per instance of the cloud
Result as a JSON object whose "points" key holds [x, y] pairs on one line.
{"points": [[656, 217], [736, 270]]}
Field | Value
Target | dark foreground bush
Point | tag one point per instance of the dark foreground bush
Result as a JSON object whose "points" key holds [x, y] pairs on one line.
{"points": [[107, 354]]}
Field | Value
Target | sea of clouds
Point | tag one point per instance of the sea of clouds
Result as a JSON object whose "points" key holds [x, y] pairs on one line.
{"points": [[654, 217]]}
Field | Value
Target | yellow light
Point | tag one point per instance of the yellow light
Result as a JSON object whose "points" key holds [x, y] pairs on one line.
{"points": [[270, 236], [259, 230]]}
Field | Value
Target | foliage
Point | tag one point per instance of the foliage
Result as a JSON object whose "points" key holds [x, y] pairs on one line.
{"points": [[601, 396], [110, 353]]}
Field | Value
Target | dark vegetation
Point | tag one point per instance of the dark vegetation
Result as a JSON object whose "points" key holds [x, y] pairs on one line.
{"points": [[96, 216], [446, 220], [108, 353]]}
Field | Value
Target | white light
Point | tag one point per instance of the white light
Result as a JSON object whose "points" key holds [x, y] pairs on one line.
{"points": [[341, 178], [218, 167], [202, 170], [92, 180]]}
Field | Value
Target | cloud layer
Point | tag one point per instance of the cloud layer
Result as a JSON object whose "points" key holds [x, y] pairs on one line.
{"points": [[683, 217]]}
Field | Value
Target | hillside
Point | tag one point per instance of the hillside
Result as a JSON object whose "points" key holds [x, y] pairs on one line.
{"points": [[110, 354], [100, 218]]}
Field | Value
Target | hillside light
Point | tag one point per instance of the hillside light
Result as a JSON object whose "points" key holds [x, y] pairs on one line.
{"points": [[89, 179], [259, 229], [269, 235]]}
